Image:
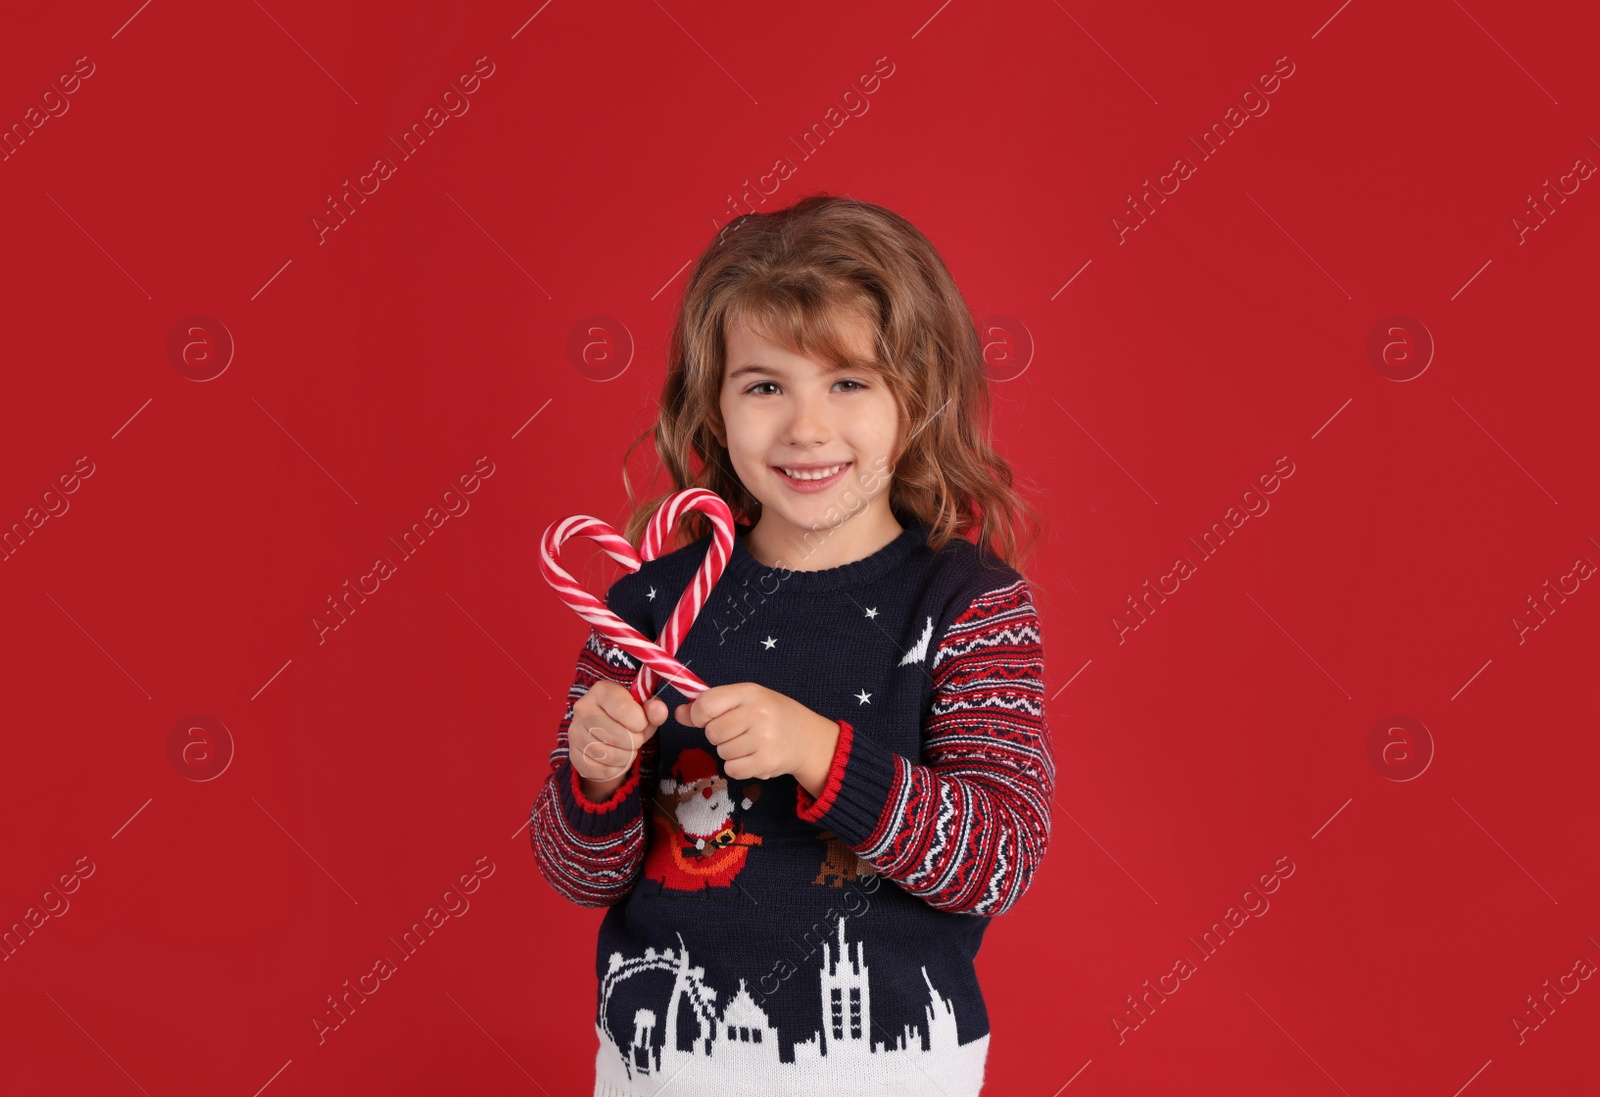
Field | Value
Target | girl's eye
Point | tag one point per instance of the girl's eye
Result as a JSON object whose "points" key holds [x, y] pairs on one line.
{"points": [[847, 381]]}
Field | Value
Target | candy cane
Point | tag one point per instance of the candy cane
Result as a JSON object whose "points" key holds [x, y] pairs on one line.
{"points": [[655, 658]]}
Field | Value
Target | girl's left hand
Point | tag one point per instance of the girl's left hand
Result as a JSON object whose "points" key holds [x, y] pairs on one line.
{"points": [[761, 733]]}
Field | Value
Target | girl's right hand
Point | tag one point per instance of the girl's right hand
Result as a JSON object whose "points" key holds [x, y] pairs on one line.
{"points": [[608, 727]]}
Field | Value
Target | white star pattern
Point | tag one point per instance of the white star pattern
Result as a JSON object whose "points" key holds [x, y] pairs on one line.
{"points": [[652, 595], [864, 697], [770, 643], [873, 612]]}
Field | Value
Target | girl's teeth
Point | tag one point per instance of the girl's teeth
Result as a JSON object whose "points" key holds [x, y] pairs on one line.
{"points": [[815, 474]]}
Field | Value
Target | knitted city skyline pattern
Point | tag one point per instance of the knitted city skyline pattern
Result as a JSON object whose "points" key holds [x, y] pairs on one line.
{"points": [[769, 942]]}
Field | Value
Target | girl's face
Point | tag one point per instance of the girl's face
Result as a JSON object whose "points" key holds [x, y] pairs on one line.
{"points": [[781, 410]]}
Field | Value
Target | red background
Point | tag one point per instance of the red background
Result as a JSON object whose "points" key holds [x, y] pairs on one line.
{"points": [[1140, 402]]}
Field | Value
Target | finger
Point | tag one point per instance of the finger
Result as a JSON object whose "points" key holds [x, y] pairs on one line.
{"points": [[721, 729], [622, 708], [601, 690], [692, 715], [619, 743], [604, 738], [708, 705], [611, 750], [655, 711], [740, 746]]}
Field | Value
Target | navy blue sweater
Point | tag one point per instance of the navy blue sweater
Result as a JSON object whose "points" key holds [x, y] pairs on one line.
{"points": [[761, 941]]}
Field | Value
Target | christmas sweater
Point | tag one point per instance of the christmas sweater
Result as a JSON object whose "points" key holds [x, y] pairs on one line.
{"points": [[762, 941]]}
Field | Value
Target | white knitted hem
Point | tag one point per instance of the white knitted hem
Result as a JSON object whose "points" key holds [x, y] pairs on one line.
{"points": [[753, 1070]]}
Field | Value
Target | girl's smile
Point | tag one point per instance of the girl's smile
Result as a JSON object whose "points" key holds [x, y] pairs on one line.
{"points": [[811, 480]]}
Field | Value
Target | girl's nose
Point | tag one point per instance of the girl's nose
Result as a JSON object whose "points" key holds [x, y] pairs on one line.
{"points": [[807, 423]]}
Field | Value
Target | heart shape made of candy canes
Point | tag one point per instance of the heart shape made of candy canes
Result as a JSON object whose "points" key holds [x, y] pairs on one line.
{"points": [[656, 657]]}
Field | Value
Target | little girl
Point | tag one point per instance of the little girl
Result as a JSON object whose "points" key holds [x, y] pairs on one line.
{"points": [[800, 865]]}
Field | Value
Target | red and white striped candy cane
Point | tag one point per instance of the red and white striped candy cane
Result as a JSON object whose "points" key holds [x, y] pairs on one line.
{"points": [[656, 658]]}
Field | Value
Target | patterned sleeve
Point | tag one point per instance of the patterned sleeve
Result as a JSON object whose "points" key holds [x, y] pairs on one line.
{"points": [[591, 853], [965, 831]]}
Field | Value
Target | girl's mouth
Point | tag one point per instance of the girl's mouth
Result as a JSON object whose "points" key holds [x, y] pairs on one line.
{"points": [[811, 486]]}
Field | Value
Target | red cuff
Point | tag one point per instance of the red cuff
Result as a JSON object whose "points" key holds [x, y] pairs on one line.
{"points": [[811, 809], [616, 797]]}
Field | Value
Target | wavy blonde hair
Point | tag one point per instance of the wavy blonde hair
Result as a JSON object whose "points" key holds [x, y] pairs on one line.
{"points": [[791, 276]]}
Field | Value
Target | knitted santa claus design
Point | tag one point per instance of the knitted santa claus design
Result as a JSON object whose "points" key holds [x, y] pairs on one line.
{"points": [[697, 843]]}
